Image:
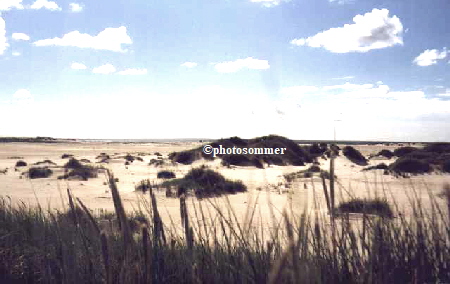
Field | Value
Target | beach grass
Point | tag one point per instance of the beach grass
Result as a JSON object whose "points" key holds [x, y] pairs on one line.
{"points": [[78, 246]]}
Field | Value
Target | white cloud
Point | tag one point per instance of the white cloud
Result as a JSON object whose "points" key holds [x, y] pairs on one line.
{"points": [[108, 39], [373, 30], [6, 5], [78, 66], [342, 2], [15, 53], [344, 78], [430, 57], [3, 40], [234, 66], [133, 71], [75, 7], [268, 3], [348, 86], [22, 94], [446, 94], [189, 64], [299, 90], [104, 69], [20, 36], [45, 4]]}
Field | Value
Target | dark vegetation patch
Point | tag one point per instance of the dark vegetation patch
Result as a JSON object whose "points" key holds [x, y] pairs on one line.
{"points": [[317, 149], [385, 153], [293, 155], [103, 156], [21, 163], [307, 173], [402, 151], [410, 165], [38, 139], [15, 157], [186, 157], [37, 172], [381, 166], [76, 170], [145, 185], [438, 148], [354, 155], [66, 156], [158, 154], [369, 206], [435, 156], [204, 182], [156, 162], [73, 164], [85, 160], [49, 162], [130, 158], [446, 166], [243, 160], [166, 174]]}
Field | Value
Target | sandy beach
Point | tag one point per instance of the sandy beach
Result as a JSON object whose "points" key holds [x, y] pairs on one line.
{"points": [[268, 184]]}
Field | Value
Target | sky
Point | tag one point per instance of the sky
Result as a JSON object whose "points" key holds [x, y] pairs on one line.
{"points": [[147, 69]]}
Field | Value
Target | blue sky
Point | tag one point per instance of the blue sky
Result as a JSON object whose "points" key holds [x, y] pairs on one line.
{"points": [[377, 70]]}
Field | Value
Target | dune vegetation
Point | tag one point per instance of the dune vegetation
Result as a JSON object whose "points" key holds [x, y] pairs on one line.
{"points": [[80, 246]]}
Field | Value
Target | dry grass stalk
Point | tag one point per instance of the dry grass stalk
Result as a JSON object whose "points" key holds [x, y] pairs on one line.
{"points": [[120, 211]]}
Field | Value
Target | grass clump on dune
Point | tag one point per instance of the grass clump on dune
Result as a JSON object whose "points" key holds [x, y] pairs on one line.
{"points": [[37, 172], [21, 163], [410, 165], [400, 152], [294, 154], [66, 156], [368, 206], [76, 170], [204, 182], [166, 174], [49, 162], [385, 153], [354, 155]]}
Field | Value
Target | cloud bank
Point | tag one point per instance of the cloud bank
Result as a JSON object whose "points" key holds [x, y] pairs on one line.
{"points": [[373, 30]]}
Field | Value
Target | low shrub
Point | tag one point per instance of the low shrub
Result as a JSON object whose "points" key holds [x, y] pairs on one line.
{"points": [[156, 162], [183, 157], [39, 172], [66, 156], [446, 166], [144, 185], [84, 173], [76, 170], [204, 182], [354, 155], [438, 148], [45, 162], [385, 153], [73, 164], [375, 206], [129, 158], [410, 165], [314, 169], [236, 160], [166, 174], [381, 166], [402, 151], [103, 156], [21, 163]]}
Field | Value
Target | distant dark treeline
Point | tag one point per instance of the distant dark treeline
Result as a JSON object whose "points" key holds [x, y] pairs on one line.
{"points": [[38, 139]]}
